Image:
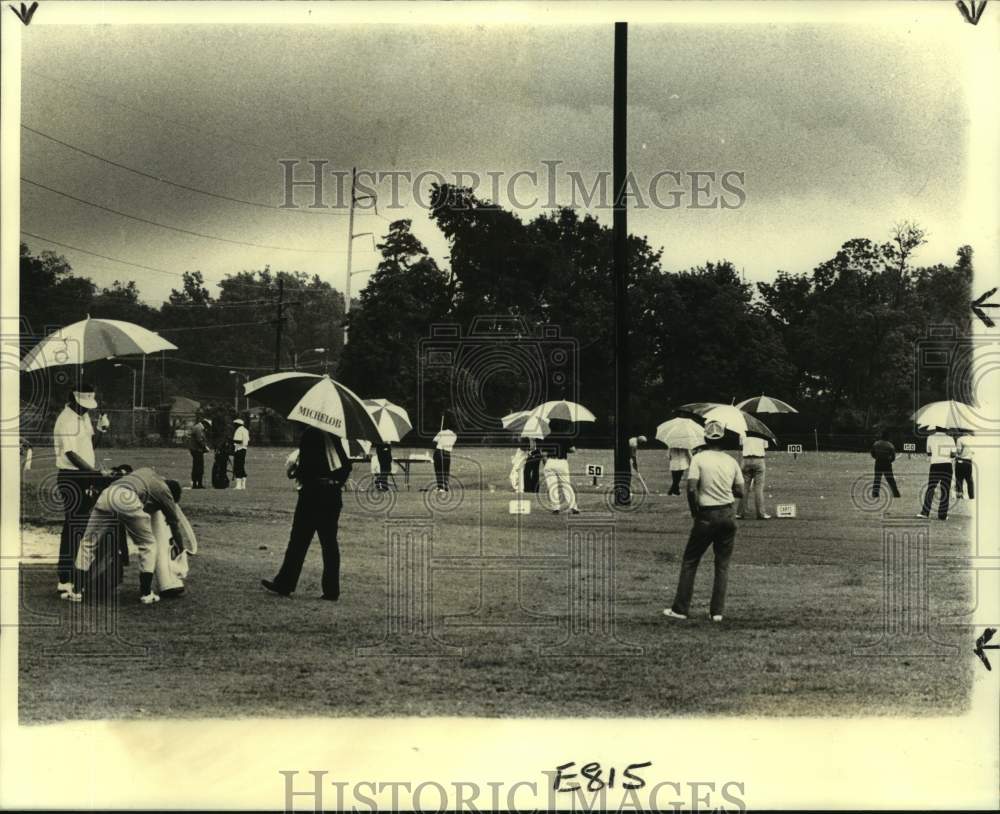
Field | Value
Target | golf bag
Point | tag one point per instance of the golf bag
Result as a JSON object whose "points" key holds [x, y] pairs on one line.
{"points": [[531, 470], [221, 470]]}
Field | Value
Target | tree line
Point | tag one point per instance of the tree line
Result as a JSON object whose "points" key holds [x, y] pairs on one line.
{"points": [[523, 310]]}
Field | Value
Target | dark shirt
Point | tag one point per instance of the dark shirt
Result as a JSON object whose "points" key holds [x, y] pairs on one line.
{"points": [[314, 463], [196, 438], [883, 452]]}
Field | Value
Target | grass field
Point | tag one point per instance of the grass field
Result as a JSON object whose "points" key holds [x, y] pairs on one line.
{"points": [[804, 594]]}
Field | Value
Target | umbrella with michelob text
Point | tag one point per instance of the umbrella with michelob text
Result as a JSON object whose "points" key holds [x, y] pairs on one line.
{"points": [[91, 340], [317, 401]]}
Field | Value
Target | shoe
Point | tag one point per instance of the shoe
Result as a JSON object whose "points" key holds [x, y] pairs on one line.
{"points": [[274, 589], [555, 511], [715, 617], [71, 596], [64, 587], [149, 599], [764, 517], [331, 598], [923, 516], [669, 612], [739, 517], [574, 511]]}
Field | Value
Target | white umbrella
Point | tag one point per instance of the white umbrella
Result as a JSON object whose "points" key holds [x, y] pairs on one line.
{"points": [[526, 425], [90, 340], [733, 418], [766, 404], [681, 433], [318, 401], [563, 411], [948, 415], [393, 421]]}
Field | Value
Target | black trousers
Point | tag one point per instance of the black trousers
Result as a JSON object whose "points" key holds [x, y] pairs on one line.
{"points": [[240, 463], [884, 472], [963, 474], [715, 528], [384, 468], [317, 512], [78, 493], [197, 468], [442, 468], [939, 476], [675, 478]]}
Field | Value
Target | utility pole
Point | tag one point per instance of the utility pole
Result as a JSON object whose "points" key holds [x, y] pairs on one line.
{"points": [[142, 386], [279, 324], [623, 474], [351, 235]]}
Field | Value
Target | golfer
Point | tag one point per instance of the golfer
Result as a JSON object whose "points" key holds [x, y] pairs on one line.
{"points": [[884, 454], [444, 443], [517, 462], [680, 460], [941, 451], [132, 499], [241, 443], [73, 441], [753, 474], [321, 469], [714, 481], [633, 450], [557, 481], [198, 446], [963, 466]]}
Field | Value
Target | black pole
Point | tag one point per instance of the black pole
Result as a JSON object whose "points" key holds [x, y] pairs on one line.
{"points": [[623, 475], [280, 323]]}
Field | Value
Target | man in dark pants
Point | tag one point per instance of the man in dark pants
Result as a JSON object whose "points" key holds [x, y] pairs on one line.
{"points": [[963, 466], [941, 451], [383, 454], [322, 469], [73, 441], [198, 446], [884, 454], [714, 483]]}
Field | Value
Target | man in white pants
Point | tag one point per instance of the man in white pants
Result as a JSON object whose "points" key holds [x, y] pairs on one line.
{"points": [[132, 499], [557, 479]]}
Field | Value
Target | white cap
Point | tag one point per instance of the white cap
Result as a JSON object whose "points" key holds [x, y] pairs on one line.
{"points": [[86, 399], [239, 421]]}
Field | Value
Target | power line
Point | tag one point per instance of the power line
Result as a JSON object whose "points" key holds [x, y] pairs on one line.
{"points": [[172, 228], [213, 327], [163, 180]]}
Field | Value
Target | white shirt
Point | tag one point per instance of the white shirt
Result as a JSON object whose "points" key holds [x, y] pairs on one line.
{"points": [[754, 447], [241, 438], [939, 447], [73, 433], [964, 446], [680, 459], [445, 440], [716, 474]]}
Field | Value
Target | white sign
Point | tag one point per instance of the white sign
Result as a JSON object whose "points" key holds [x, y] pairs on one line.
{"points": [[785, 510], [795, 449], [519, 507], [909, 447], [595, 469]]}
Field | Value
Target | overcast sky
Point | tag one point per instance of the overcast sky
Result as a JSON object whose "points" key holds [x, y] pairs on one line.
{"points": [[839, 130]]}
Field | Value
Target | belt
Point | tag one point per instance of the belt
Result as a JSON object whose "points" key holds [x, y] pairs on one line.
{"points": [[745, 457]]}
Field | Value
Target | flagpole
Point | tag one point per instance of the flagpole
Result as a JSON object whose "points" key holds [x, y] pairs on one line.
{"points": [[623, 474]]}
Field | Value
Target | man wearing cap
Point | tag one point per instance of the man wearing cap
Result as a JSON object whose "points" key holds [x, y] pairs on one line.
{"points": [[198, 446], [73, 441], [241, 442], [132, 499], [714, 482]]}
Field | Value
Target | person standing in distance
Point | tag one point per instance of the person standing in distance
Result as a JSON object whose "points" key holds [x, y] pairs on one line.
{"points": [[714, 481], [198, 446], [73, 441], [321, 469], [941, 451], [557, 449], [963, 466], [241, 443], [754, 468], [444, 443], [884, 454], [680, 460]]}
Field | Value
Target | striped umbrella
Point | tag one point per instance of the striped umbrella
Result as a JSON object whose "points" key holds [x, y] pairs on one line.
{"points": [[563, 411], [90, 340], [526, 425], [393, 421], [953, 416], [766, 404], [318, 401], [732, 417]]}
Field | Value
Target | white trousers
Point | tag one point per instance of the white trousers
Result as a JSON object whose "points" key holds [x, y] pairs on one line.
{"points": [[517, 470], [558, 483]]}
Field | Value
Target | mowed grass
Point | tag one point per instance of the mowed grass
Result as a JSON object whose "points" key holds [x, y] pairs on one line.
{"points": [[804, 595]]}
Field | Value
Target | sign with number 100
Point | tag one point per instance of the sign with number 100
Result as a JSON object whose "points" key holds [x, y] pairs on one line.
{"points": [[795, 449]]}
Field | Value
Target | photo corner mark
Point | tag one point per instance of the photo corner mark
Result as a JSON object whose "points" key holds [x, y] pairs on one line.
{"points": [[26, 12], [973, 11], [980, 303], [982, 646]]}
